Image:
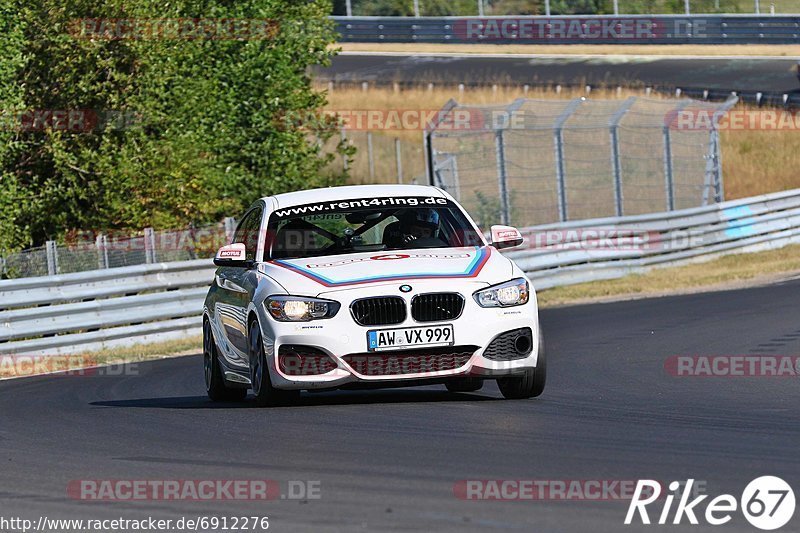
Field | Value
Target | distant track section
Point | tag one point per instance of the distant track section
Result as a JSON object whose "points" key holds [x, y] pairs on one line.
{"points": [[713, 78]]}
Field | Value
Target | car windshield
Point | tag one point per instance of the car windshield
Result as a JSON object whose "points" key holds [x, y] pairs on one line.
{"points": [[368, 225]]}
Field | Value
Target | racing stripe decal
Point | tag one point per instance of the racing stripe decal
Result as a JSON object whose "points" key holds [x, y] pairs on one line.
{"points": [[473, 269]]}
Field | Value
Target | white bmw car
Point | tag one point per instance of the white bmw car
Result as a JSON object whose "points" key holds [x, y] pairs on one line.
{"points": [[368, 286]]}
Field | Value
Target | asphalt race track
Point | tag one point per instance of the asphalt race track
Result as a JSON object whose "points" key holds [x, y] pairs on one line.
{"points": [[388, 460], [736, 74]]}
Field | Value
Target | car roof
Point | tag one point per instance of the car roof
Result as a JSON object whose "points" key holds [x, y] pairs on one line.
{"points": [[351, 192]]}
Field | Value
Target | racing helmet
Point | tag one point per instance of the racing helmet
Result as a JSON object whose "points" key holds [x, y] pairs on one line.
{"points": [[426, 218]]}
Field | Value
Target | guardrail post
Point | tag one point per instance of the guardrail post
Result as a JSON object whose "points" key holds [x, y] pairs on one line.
{"points": [[416, 8], [349, 8], [613, 126], [758, 7], [688, 7], [370, 157], [480, 8], [558, 140], [101, 243], [398, 160], [546, 8], [149, 246], [52, 258]]}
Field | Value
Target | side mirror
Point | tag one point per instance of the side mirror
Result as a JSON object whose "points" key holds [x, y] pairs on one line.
{"points": [[232, 255], [505, 237]]}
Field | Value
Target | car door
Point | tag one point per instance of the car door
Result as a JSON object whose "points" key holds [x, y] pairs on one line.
{"points": [[235, 290]]}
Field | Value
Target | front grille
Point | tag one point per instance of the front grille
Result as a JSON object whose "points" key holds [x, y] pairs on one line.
{"points": [[514, 344], [381, 311], [298, 360], [438, 306], [410, 361]]}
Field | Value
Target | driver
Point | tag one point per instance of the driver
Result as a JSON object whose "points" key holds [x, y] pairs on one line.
{"points": [[415, 224]]}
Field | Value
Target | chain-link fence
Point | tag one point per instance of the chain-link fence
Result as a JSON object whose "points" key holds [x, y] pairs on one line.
{"points": [[541, 161], [85, 250]]}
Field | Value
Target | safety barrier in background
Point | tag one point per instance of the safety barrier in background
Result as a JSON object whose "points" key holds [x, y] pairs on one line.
{"points": [[122, 306], [578, 29], [487, 7], [542, 161]]}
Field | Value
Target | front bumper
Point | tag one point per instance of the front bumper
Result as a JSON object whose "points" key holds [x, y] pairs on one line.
{"points": [[345, 343]]}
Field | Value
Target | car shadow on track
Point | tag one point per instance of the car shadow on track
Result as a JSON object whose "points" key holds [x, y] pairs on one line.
{"points": [[317, 399]]}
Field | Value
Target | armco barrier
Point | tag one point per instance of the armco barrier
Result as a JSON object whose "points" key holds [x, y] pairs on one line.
{"points": [[122, 306], [578, 29]]}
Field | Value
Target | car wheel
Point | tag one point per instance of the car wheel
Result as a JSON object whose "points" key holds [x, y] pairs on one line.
{"points": [[531, 383], [464, 385], [265, 394], [215, 382]]}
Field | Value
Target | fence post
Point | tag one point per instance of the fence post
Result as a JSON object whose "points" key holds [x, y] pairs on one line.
{"points": [[344, 157], [398, 160], [230, 228], [558, 140], [52, 258], [669, 183], [101, 243], [758, 7], [502, 179], [714, 157], [149, 246], [349, 8], [688, 8], [480, 8], [546, 8], [370, 157], [615, 163], [416, 8], [616, 7]]}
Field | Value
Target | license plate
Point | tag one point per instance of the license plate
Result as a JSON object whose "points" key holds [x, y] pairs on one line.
{"points": [[406, 338]]}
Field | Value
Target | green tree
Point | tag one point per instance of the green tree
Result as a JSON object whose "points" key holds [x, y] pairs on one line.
{"points": [[208, 136]]}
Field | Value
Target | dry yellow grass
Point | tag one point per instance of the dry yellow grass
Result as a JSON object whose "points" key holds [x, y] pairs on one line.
{"points": [[576, 49], [725, 272], [754, 162]]}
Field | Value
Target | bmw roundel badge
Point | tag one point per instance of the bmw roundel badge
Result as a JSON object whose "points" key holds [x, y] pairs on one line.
{"points": [[405, 288]]}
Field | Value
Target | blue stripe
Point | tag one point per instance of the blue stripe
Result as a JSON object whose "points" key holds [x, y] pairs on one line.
{"points": [[470, 269]]}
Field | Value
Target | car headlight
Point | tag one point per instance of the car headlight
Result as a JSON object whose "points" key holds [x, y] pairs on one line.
{"points": [[300, 308], [508, 294]]}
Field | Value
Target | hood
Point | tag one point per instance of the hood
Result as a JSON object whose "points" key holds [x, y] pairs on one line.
{"points": [[312, 276]]}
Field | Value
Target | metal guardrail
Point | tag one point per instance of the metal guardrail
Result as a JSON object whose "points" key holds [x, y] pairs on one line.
{"points": [[661, 239], [146, 303], [578, 29], [102, 308]]}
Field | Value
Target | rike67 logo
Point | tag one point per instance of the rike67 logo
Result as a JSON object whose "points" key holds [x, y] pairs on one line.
{"points": [[767, 502]]}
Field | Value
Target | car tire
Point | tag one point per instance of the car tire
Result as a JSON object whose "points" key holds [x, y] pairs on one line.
{"points": [[464, 385], [265, 394], [531, 383], [216, 388]]}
